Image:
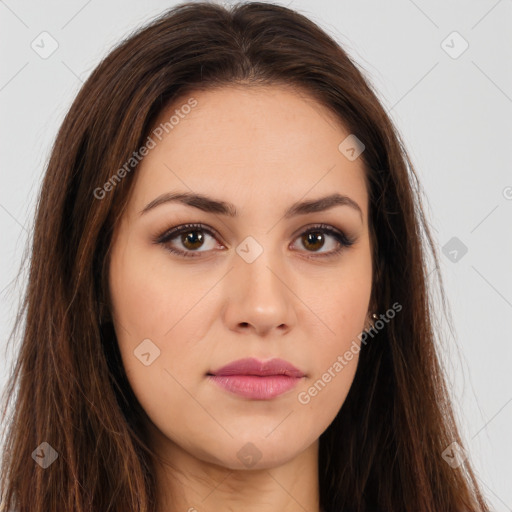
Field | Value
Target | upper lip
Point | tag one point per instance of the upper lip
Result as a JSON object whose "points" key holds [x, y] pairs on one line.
{"points": [[252, 366]]}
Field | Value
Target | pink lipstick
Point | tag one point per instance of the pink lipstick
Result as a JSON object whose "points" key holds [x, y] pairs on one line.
{"points": [[257, 380]]}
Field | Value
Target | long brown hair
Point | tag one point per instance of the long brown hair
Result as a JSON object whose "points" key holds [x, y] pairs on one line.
{"points": [[384, 449]]}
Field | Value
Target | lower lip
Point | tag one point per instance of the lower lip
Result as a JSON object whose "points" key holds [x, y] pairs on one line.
{"points": [[254, 387]]}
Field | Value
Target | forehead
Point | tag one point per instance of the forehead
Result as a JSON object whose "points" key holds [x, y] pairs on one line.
{"points": [[248, 142]]}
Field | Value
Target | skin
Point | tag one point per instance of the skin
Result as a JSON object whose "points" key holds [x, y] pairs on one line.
{"points": [[261, 148]]}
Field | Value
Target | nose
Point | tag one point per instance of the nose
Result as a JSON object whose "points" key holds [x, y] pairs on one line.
{"points": [[259, 300]]}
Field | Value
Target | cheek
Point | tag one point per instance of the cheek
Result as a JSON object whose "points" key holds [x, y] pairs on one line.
{"points": [[343, 300], [334, 363], [343, 308], [157, 317], [149, 296], [327, 390], [335, 358]]}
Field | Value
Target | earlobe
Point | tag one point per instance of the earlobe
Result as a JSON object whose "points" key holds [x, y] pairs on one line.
{"points": [[369, 324]]}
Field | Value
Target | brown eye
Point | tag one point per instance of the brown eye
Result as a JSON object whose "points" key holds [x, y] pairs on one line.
{"points": [[313, 240], [192, 239], [324, 237], [187, 240]]}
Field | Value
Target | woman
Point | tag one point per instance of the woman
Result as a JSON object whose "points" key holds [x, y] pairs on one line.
{"points": [[227, 305]]}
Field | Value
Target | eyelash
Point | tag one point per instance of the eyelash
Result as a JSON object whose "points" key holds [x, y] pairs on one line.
{"points": [[170, 234]]}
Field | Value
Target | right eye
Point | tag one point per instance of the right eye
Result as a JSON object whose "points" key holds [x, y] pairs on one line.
{"points": [[191, 237]]}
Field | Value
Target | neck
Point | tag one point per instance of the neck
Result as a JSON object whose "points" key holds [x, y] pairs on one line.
{"points": [[186, 483]]}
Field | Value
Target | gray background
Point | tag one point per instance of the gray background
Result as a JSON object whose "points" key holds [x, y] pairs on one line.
{"points": [[453, 110]]}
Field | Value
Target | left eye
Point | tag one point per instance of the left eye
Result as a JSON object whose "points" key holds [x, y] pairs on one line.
{"points": [[192, 238]]}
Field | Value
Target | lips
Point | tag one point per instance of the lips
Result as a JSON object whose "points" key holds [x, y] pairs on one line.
{"points": [[251, 366], [255, 379]]}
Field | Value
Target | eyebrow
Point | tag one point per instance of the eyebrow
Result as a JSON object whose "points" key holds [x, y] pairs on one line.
{"points": [[209, 205]]}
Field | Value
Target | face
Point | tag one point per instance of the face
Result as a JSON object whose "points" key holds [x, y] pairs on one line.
{"points": [[254, 267]]}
